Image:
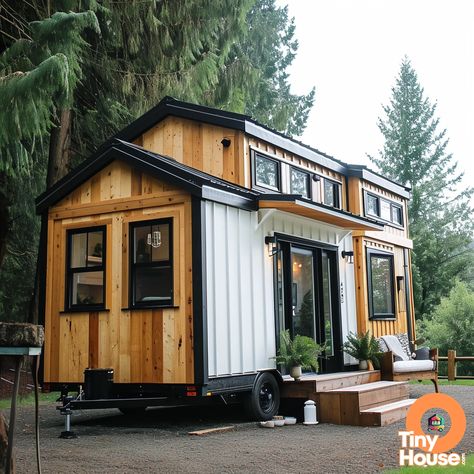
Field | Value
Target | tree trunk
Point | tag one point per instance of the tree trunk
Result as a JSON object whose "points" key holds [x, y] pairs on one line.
{"points": [[4, 216], [59, 149], [59, 163]]}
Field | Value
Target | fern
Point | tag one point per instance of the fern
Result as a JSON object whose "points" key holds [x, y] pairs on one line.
{"points": [[361, 346]]}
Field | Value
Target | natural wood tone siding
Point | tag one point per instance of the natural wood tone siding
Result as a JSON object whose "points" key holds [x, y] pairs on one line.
{"points": [[198, 145], [380, 327], [142, 346], [266, 147]]}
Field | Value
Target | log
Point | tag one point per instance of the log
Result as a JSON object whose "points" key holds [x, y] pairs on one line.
{"points": [[21, 335], [211, 430]]}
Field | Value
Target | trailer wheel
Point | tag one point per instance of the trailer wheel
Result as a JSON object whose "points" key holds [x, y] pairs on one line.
{"points": [[132, 411], [263, 401]]}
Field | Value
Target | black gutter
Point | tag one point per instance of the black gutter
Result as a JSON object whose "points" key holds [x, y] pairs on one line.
{"points": [[198, 225]]}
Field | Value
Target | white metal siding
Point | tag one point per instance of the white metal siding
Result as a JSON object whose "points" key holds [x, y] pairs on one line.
{"points": [[240, 298]]}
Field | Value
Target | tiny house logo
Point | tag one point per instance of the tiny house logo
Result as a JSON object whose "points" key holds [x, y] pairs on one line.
{"points": [[436, 423], [420, 449]]}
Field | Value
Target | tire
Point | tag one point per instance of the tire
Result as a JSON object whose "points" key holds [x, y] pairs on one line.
{"points": [[132, 411], [262, 403]]}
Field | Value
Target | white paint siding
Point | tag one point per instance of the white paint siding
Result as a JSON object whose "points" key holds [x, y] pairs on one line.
{"points": [[240, 297]]}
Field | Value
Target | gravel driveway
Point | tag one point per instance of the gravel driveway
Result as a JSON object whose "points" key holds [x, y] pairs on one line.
{"points": [[109, 442]]}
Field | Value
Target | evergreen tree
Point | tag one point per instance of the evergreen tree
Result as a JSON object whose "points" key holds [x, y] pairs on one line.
{"points": [[441, 225]]}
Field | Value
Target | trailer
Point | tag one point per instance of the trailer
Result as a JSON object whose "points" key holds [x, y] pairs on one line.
{"points": [[176, 254]]}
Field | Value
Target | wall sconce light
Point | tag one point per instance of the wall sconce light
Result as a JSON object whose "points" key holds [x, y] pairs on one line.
{"points": [[348, 255], [316, 177], [226, 142], [270, 241]]}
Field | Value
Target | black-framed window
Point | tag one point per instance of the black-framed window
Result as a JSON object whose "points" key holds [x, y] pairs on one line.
{"points": [[300, 182], [380, 286], [151, 263], [267, 172], [383, 209], [85, 268], [331, 193]]}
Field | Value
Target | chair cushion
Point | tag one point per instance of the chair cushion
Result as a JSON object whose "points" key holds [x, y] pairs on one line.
{"points": [[382, 346], [413, 366], [405, 343], [423, 353], [394, 345]]}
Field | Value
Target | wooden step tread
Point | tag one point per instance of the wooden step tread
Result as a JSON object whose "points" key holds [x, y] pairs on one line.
{"points": [[390, 406], [327, 377], [368, 387]]}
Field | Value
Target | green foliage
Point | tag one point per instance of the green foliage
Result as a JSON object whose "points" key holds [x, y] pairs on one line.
{"points": [[361, 346], [299, 351], [451, 325], [441, 224]]}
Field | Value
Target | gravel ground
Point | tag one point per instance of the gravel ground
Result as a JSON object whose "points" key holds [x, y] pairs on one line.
{"points": [[109, 442]]}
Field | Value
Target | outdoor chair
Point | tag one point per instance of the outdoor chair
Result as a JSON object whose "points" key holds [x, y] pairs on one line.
{"points": [[399, 363]]}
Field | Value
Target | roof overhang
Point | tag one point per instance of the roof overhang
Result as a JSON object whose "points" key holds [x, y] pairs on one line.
{"points": [[320, 212]]}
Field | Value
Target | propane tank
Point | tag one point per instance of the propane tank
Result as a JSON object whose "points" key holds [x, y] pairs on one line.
{"points": [[310, 413]]}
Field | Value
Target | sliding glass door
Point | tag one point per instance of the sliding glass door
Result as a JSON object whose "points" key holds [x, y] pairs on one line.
{"points": [[307, 297]]}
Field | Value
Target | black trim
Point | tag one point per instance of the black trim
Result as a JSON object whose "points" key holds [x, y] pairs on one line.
{"points": [[42, 269], [261, 187], [337, 191], [69, 307], [392, 203], [132, 265], [308, 181], [305, 242], [198, 221], [390, 257], [406, 266]]}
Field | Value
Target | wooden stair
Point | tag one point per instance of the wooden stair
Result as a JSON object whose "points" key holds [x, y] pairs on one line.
{"points": [[370, 404]]}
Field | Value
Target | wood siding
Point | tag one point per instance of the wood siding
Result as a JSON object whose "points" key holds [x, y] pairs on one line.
{"points": [[142, 346]]}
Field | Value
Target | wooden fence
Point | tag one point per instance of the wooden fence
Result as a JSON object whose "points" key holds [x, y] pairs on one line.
{"points": [[452, 360]]}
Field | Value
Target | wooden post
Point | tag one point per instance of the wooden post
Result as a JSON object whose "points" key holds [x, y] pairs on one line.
{"points": [[451, 365]]}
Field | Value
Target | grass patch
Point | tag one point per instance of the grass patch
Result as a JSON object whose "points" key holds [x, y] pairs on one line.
{"points": [[29, 400], [446, 382], [468, 467]]}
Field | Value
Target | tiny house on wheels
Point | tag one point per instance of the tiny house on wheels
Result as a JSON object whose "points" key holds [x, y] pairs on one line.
{"points": [[178, 252]]}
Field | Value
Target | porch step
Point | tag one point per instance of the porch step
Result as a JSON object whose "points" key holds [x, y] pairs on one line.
{"points": [[308, 386], [386, 414], [344, 406]]}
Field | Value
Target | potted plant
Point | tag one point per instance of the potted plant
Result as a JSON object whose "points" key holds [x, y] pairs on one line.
{"points": [[298, 353], [363, 347]]}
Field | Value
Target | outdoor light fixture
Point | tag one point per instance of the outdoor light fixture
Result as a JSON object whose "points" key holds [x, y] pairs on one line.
{"points": [[316, 177], [154, 239], [226, 142], [270, 241], [348, 255]]}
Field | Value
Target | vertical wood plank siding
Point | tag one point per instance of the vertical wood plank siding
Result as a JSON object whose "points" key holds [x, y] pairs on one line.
{"points": [[143, 346]]}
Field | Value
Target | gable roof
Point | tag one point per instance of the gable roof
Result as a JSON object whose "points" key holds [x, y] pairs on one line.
{"points": [[169, 106], [197, 183], [163, 167]]}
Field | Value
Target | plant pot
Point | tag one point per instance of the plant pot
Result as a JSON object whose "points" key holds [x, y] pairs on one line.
{"points": [[363, 365], [295, 372]]}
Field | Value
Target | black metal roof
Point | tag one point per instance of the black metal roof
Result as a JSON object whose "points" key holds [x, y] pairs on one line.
{"points": [[162, 167], [170, 106]]}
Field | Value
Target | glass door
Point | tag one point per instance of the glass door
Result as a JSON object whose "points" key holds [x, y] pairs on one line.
{"points": [[307, 298]]}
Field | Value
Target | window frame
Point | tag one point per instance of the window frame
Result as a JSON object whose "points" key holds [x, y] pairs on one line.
{"points": [[390, 257], [132, 265], [378, 215], [337, 195], [70, 272], [265, 187], [308, 181]]}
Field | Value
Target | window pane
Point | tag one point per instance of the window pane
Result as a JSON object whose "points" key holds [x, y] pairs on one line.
{"points": [[381, 285], [266, 172], [94, 250], [142, 249], [78, 250], [397, 215], [300, 182], [88, 288], [327, 304], [153, 285], [385, 211], [372, 205], [161, 235], [329, 197]]}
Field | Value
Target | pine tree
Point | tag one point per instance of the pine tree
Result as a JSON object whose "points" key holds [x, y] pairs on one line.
{"points": [[415, 153]]}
